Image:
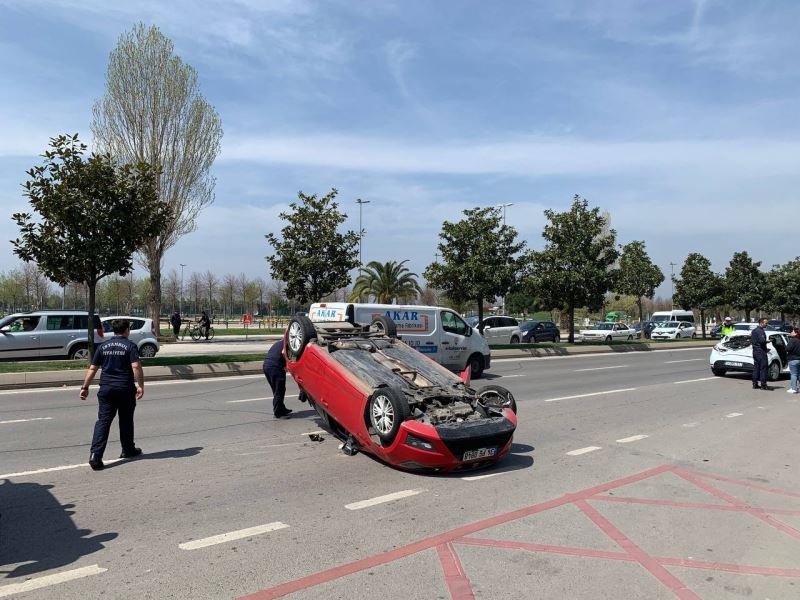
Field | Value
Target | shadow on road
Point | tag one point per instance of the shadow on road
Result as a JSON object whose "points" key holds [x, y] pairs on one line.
{"points": [[37, 530], [183, 453]]}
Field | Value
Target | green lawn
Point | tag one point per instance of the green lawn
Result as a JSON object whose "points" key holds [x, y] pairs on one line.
{"points": [[164, 361], [579, 344]]}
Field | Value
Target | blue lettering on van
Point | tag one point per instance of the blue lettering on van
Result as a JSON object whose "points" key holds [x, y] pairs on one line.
{"points": [[427, 349], [403, 315], [327, 313]]}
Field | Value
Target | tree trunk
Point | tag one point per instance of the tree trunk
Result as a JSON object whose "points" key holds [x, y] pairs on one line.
{"points": [[90, 322], [154, 296], [747, 315], [703, 321], [571, 338], [480, 315], [640, 302]]}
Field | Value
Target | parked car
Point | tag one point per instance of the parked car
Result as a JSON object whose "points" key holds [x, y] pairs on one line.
{"points": [[501, 330], [734, 353], [382, 397], [778, 325], [607, 332], [47, 333], [647, 328], [715, 332], [674, 330], [143, 334], [539, 331]]}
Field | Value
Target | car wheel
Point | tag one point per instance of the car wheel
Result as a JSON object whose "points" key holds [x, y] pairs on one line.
{"points": [[299, 333], [79, 352], [384, 325], [388, 408], [774, 371], [694, 336], [608, 339], [514, 339], [496, 396], [556, 339], [718, 372], [475, 363], [147, 351]]}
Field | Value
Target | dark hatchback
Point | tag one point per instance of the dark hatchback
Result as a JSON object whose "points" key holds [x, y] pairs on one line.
{"points": [[539, 331]]}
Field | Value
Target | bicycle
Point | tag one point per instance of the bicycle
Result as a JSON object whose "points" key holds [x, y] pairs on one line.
{"points": [[194, 331]]}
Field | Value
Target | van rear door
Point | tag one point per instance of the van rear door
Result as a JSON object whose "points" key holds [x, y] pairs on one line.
{"points": [[454, 350]]}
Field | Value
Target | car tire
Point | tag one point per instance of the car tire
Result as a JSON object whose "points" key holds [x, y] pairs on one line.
{"points": [[608, 339], [556, 339], [147, 351], [496, 396], [475, 363], [384, 325], [79, 352], [514, 339], [298, 334], [694, 336], [387, 409], [774, 371], [718, 372]]}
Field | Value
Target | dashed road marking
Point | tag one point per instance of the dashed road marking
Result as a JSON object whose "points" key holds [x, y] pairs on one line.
{"points": [[694, 380], [601, 368], [258, 399], [591, 394], [48, 580], [313, 432], [477, 477], [26, 420], [53, 469], [733, 415], [633, 438], [510, 376], [586, 450], [692, 424], [672, 362], [381, 499], [232, 535]]}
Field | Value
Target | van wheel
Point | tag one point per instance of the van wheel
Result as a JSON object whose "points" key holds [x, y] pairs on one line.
{"points": [[608, 339], [514, 339], [300, 332], [475, 363], [774, 371], [384, 325], [496, 396], [79, 352], [388, 408], [147, 351]]}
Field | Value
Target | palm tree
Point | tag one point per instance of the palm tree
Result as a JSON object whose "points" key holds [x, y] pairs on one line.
{"points": [[386, 283]]}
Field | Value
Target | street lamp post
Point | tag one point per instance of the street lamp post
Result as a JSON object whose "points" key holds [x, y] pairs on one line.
{"points": [[504, 206], [180, 293], [672, 282], [361, 204]]}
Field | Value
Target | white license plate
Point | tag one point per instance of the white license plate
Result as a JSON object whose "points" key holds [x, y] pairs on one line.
{"points": [[729, 363], [479, 453]]}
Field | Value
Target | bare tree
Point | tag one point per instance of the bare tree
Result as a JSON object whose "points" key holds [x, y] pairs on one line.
{"points": [[196, 287], [241, 286], [172, 289], [211, 283], [230, 284], [154, 112]]}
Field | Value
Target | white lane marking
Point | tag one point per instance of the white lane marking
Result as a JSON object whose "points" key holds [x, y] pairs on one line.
{"points": [[692, 424], [381, 499], [633, 438], [477, 477], [586, 450], [40, 582], [270, 446], [510, 376], [694, 380], [601, 368], [74, 387], [52, 469], [595, 354], [591, 394], [232, 535], [26, 420], [258, 399], [313, 432], [672, 362], [734, 415]]}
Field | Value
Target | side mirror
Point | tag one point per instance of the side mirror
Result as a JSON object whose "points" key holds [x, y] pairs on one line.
{"points": [[469, 331]]}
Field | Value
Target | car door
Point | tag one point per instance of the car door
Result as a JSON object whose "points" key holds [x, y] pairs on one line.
{"points": [[453, 346], [779, 343], [21, 337], [489, 325], [539, 333], [620, 332], [61, 332]]}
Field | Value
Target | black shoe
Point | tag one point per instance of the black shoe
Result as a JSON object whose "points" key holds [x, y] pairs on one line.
{"points": [[131, 453], [756, 386], [96, 463], [766, 388], [284, 414]]}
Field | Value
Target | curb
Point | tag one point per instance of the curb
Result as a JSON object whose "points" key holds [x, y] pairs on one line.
{"points": [[599, 349]]}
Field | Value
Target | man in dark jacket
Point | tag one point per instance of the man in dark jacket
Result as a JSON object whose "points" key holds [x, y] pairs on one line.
{"points": [[175, 321], [758, 341], [793, 357], [275, 372]]}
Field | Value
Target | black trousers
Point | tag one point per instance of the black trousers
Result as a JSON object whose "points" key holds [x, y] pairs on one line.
{"points": [[760, 369], [276, 377], [110, 402], [176, 329]]}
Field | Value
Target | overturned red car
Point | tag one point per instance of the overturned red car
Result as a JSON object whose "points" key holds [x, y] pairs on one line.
{"points": [[382, 397]]}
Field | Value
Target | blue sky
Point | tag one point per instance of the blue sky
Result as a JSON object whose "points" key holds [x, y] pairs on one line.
{"points": [[679, 118]]}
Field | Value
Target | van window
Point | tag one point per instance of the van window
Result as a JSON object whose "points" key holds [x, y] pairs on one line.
{"points": [[507, 322], [452, 323]]}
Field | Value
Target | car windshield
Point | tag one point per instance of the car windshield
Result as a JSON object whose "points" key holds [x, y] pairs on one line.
{"points": [[744, 326], [604, 326], [669, 324], [658, 320]]}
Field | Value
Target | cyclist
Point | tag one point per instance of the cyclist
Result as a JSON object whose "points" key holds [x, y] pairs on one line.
{"points": [[205, 324]]}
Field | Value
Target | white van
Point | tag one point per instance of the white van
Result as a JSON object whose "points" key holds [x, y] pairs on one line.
{"points": [[440, 333], [663, 316]]}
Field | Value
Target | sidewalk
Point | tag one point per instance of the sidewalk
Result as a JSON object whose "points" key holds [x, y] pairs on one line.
{"points": [[10, 381]]}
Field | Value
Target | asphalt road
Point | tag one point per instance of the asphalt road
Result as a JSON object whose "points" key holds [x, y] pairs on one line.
{"points": [[632, 476]]}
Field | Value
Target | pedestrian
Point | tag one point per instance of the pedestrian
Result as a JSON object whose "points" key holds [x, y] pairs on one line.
{"points": [[758, 342], [205, 324], [727, 327], [175, 321], [121, 385], [275, 372], [793, 356]]}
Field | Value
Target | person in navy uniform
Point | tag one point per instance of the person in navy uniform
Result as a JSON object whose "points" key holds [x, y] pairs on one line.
{"points": [[121, 385], [758, 341], [275, 372]]}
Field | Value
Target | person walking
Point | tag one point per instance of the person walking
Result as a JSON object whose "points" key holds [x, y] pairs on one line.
{"points": [[175, 321], [727, 327], [758, 341], [793, 356], [275, 372], [205, 324], [121, 385]]}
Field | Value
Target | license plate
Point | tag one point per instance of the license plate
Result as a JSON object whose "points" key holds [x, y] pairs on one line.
{"points": [[479, 453], [729, 363]]}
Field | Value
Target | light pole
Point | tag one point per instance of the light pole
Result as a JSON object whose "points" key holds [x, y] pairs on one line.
{"points": [[672, 281], [180, 293], [504, 206], [361, 204]]}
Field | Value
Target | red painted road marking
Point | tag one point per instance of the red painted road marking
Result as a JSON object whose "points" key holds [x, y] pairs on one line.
{"points": [[755, 486], [702, 505], [454, 575]]}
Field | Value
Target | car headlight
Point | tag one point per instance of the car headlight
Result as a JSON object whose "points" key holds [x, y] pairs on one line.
{"points": [[419, 443]]}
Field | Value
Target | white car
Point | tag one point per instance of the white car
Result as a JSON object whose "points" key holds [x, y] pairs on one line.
{"points": [[733, 353], [142, 334], [608, 332], [500, 330], [673, 330]]}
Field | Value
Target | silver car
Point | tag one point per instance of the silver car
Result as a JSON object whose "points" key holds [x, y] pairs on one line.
{"points": [[501, 330], [142, 334], [47, 333]]}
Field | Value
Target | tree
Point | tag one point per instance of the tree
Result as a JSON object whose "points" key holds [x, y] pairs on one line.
{"points": [[637, 275], [745, 284], [311, 256], [153, 112], [522, 302], [698, 287], [575, 267], [386, 282], [784, 285], [91, 216], [211, 283]]}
